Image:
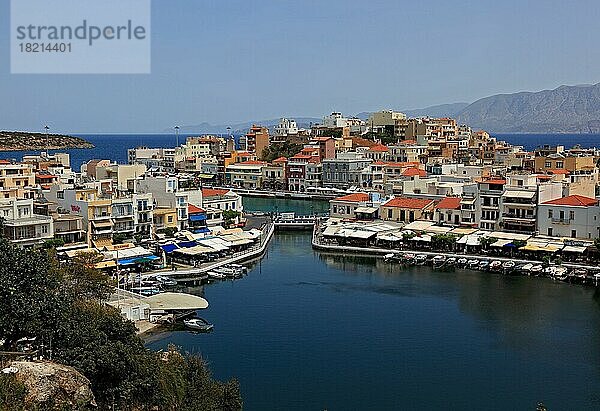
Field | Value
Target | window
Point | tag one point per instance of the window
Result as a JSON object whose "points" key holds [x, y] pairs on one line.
{"points": [[559, 164], [550, 231], [170, 219], [390, 213], [547, 164], [571, 215], [573, 233], [549, 213]]}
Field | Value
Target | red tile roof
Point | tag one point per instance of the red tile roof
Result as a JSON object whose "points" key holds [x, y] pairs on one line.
{"points": [[449, 203], [212, 192], [558, 171], [192, 209], [280, 160], [354, 198], [412, 203], [380, 148], [574, 201], [413, 171], [45, 176], [253, 163]]}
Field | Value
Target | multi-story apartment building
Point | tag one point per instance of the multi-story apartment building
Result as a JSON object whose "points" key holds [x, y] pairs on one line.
{"points": [[565, 161], [256, 140], [345, 171], [161, 159], [490, 193], [296, 171], [21, 225], [286, 127], [389, 122], [122, 175], [167, 194], [69, 228], [17, 180], [274, 176], [245, 175]]}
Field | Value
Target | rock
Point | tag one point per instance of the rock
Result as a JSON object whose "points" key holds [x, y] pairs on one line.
{"points": [[55, 385]]}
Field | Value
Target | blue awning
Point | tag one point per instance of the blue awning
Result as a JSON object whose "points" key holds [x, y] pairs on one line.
{"points": [[168, 248], [197, 217], [130, 261], [187, 244], [202, 230]]}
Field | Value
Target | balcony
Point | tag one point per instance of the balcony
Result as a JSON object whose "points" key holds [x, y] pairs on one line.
{"points": [[512, 216], [561, 220]]}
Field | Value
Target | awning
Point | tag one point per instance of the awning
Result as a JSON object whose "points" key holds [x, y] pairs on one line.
{"points": [[419, 225], [137, 260], [363, 235], [574, 249], [201, 230], [550, 248], [196, 250], [168, 248], [105, 264], [519, 194], [215, 244], [389, 237], [331, 231], [366, 210], [102, 224], [423, 238], [186, 244], [501, 243], [197, 217], [509, 236]]}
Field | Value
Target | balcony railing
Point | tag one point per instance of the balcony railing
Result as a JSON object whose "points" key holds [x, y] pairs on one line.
{"points": [[562, 220], [518, 216]]}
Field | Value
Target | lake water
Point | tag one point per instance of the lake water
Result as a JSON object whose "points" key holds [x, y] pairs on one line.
{"points": [[114, 146], [312, 331], [282, 205]]}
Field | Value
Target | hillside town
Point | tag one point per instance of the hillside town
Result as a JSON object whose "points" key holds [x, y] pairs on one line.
{"points": [[421, 174]]}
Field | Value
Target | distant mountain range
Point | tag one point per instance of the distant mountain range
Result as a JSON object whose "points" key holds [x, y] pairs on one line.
{"points": [[566, 109]]}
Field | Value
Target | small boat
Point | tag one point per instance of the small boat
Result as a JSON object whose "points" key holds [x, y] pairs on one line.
{"points": [[408, 258], [527, 268], [166, 281], [216, 276], [438, 261], [473, 264], [537, 269], [560, 273], [462, 262], [389, 257], [421, 259], [239, 267], [146, 291], [496, 265], [508, 265], [484, 265], [451, 262], [198, 324]]}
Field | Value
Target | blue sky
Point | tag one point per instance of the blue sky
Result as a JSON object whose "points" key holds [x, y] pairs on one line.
{"points": [[231, 61]]}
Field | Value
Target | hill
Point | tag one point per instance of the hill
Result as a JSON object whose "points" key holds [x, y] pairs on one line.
{"points": [[21, 140], [566, 109]]}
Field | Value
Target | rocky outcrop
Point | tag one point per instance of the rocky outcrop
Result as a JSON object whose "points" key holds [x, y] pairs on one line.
{"points": [[19, 140], [54, 385]]}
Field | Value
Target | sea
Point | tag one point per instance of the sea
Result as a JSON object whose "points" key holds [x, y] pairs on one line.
{"points": [[308, 330]]}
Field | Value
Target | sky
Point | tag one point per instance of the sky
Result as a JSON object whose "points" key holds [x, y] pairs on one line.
{"points": [[226, 61]]}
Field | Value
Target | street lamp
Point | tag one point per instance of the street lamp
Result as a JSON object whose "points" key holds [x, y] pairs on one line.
{"points": [[176, 136], [46, 128]]}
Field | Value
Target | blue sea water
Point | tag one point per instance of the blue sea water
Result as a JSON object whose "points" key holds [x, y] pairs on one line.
{"points": [[114, 146], [312, 331]]}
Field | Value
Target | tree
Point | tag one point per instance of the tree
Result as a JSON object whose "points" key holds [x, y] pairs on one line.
{"points": [[229, 216], [443, 241], [63, 305], [487, 241], [284, 149]]}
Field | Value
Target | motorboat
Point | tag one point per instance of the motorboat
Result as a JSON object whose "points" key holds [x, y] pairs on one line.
{"points": [[421, 259], [451, 262], [560, 273], [496, 265], [473, 264], [216, 276], [239, 267], [462, 262], [484, 265], [408, 258], [198, 324], [508, 265], [166, 281], [438, 261], [146, 291], [389, 257], [527, 268], [537, 269]]}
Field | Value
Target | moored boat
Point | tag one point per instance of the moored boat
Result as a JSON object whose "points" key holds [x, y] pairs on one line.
{"points": [[484, 265], [537, 269], [496, 265], [438, 261], [462, 262], [473, 264], [421, 259], [198, 324], [508, 266], [451, 262]]}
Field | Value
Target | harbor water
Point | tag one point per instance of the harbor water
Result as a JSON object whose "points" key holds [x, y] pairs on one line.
{"points": [[313, 331]]}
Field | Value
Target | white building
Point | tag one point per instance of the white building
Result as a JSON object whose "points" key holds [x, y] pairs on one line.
{"points": [[21, 225], [573, 216], [286, 127]]}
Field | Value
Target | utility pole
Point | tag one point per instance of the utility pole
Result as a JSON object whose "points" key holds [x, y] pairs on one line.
{"points": [[46, 128]]}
